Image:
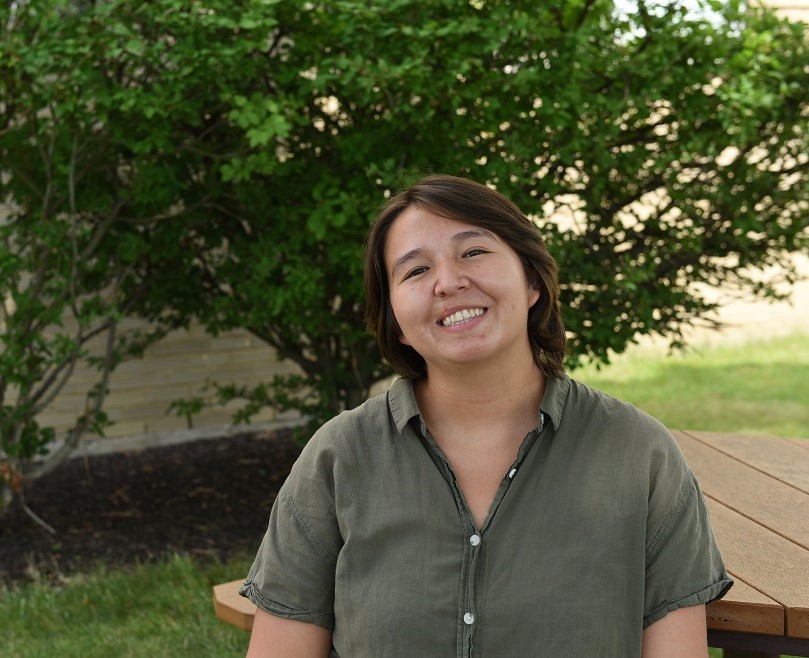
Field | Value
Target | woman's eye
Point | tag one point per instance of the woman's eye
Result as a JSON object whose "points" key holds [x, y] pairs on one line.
{"points": [[415, 271], [475, 252]]}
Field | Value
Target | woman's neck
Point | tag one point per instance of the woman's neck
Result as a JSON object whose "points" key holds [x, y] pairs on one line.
{"points": [[471, 397]]}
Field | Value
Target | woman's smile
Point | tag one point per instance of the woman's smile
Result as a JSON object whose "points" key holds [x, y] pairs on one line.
{"points": [[463, 316]]}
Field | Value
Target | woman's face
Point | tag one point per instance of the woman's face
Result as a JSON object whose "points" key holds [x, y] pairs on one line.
{"points": [[458, 291]]}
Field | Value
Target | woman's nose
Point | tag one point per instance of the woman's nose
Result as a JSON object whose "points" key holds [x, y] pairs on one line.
{"points": [[449, 279]]}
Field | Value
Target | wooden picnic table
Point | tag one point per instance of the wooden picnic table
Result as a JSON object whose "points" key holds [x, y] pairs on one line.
{"points": [[757, 492]]}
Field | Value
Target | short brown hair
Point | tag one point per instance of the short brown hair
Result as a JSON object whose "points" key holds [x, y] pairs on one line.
{"points": [[464, 200]]}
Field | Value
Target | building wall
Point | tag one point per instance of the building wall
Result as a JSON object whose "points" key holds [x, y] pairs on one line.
{"points": [[793, 9], [141, 390]]}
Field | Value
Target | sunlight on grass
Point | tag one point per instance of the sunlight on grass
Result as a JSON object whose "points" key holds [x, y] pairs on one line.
{"points": [[155, 610], [752, 388]]}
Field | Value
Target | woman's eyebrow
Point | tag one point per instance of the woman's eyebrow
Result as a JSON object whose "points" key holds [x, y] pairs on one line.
{"points": [[404, 258], [477, 233]]}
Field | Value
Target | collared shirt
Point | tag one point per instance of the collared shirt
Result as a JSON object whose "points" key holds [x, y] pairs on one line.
{"points": [[597, 530]]}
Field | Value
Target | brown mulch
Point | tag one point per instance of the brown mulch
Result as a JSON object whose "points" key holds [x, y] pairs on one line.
{"points": [[208, 499]]}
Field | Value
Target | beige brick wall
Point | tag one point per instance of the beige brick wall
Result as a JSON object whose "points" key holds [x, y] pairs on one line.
{"points": [[141, 390], [794, 9]]}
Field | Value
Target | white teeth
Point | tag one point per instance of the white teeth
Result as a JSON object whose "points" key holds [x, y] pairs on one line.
{"points": [[461, 316]]}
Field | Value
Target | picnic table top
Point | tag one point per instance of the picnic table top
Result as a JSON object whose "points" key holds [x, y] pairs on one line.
{"points": [[757, 492]]}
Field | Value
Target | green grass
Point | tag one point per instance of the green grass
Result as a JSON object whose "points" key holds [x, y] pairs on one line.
{"points": [[166, 609], [156, 610], [754, 388]]}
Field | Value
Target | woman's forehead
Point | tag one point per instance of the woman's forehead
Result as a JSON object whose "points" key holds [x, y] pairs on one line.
{"points": [[422, 229]]}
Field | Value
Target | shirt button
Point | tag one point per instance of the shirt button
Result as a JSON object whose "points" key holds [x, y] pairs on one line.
{"points": [[474, 540], [469, 618]]}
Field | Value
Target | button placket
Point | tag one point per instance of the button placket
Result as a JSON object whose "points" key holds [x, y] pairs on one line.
{"points": [[466, 594], [473, 551]]}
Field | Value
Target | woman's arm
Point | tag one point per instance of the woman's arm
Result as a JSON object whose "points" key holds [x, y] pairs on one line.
{"points": [[276, 637], [680, 634]]}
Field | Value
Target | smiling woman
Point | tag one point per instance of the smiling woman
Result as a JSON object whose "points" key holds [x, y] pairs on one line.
{"points": [[484, 213], [485, 501], [459, 294]]}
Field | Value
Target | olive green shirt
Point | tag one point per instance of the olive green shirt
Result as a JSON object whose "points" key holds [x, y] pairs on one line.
{"points": [[597, 530]]}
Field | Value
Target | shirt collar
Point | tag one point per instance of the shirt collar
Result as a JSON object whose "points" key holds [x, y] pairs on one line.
{"points": [[554, 399], [403, 406], [402, 402]]}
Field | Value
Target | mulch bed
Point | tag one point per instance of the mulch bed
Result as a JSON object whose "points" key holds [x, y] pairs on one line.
{"points": [[208, 499]]}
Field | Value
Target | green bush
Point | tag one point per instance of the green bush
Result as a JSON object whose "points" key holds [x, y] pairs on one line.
{"points": [[234, 153]]}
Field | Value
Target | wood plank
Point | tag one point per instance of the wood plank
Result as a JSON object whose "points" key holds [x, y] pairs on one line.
{"points": [[745, 610], [764, 499], [776, 567], [781, 458], [799, 441], [233, 608]]}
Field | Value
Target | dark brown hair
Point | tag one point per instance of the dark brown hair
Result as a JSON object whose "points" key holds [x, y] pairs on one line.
{"points": [[473, 203]]}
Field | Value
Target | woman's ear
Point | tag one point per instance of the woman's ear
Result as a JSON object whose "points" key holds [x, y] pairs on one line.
{"points": [[533, 295]]}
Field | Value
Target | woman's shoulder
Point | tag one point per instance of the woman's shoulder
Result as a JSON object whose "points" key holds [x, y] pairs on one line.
{"points": [[617, 432], [353, 446], [354, 431], [614, 418], [370, 415]]}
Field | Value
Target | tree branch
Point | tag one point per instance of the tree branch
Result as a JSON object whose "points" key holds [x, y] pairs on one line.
{"points": [[75, 434]]}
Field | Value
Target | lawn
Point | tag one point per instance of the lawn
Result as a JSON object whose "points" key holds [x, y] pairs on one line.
{"points": [[753, 388], [159, 610], [166, 610]]}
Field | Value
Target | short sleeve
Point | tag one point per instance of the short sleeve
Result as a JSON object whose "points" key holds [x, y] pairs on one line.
{"points": [[683, 564], [293, 573]]}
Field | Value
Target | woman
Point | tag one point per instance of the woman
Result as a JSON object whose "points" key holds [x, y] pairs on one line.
{"points": [[486, 505]]}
